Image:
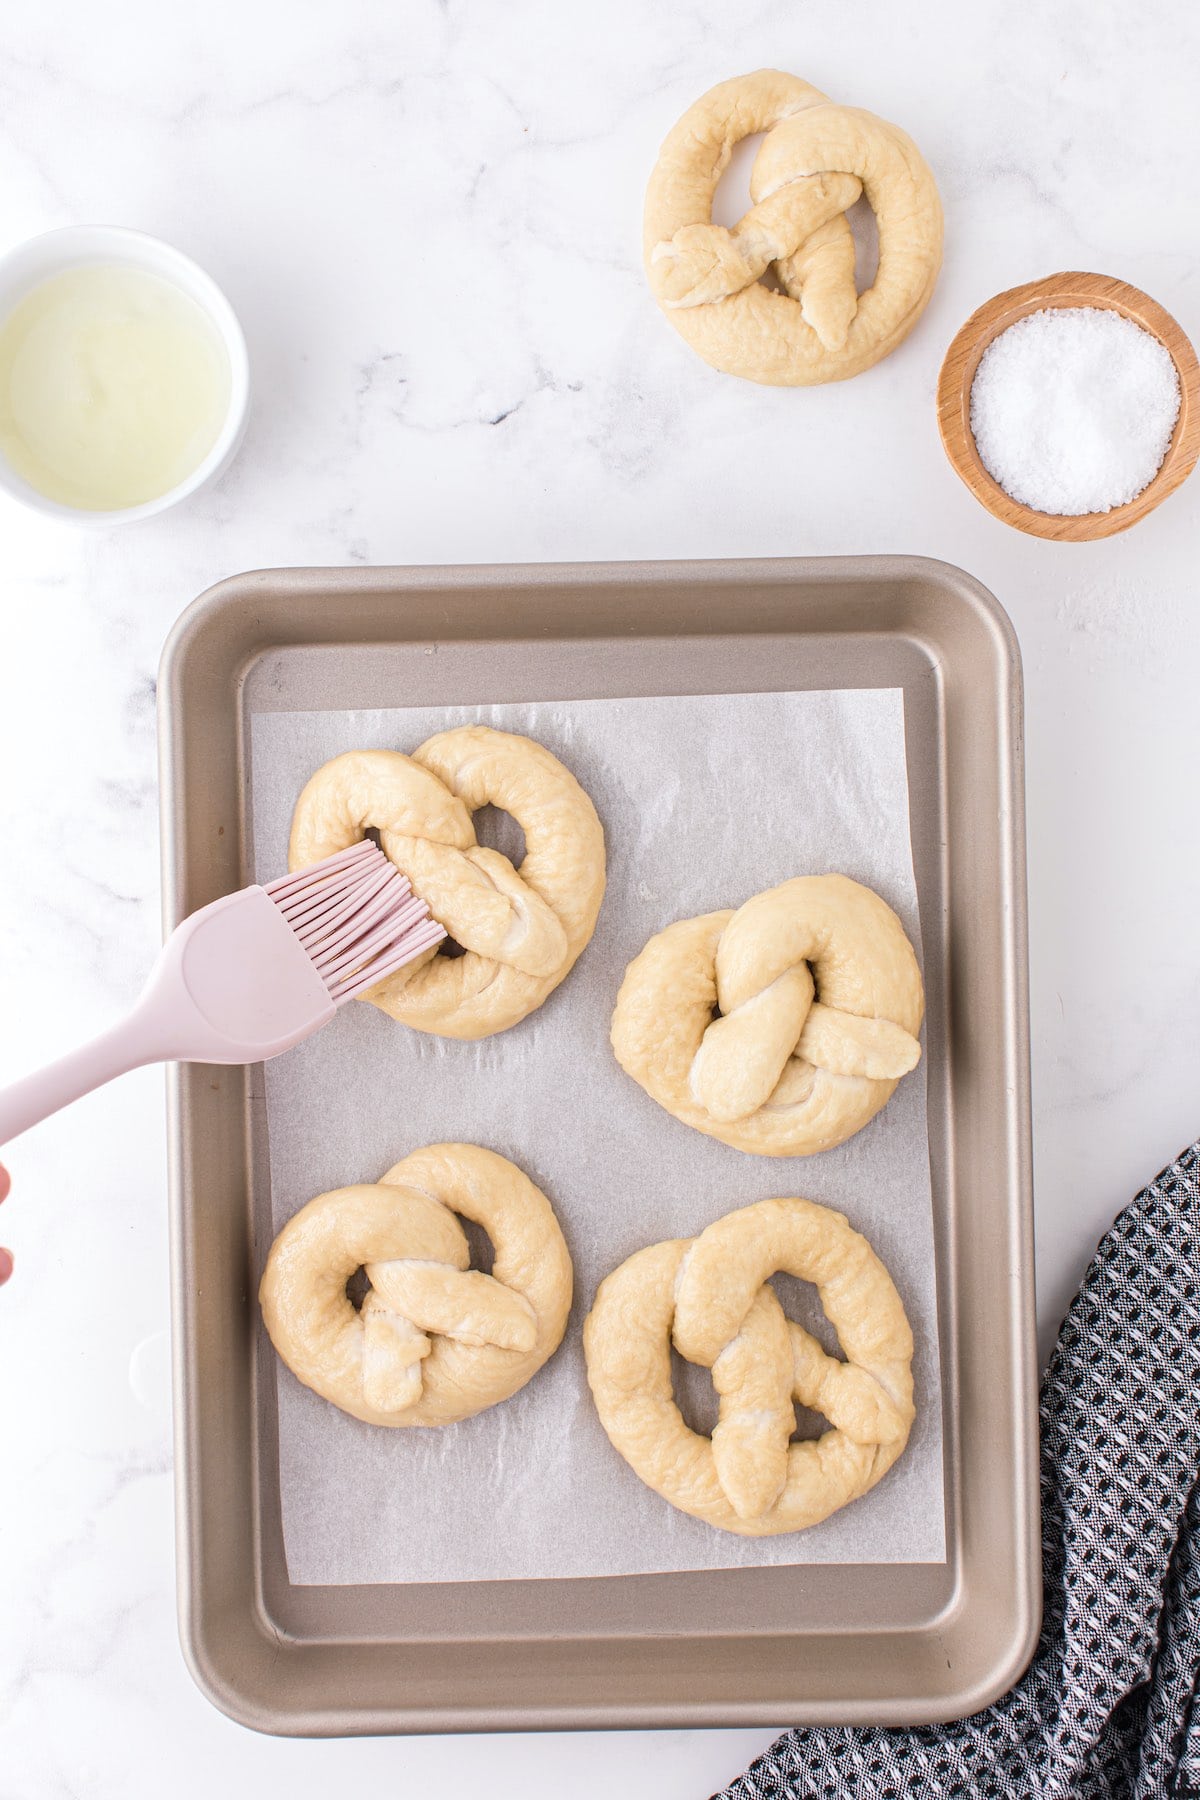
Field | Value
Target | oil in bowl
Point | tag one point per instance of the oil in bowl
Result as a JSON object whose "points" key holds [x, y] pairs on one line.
{"points": [[114, 387]]}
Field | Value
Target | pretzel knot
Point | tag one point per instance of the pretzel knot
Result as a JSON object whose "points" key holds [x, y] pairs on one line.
{"points": [[435, 1340], [522, 929], [709, 1296], [814, 162], [820, 999]]}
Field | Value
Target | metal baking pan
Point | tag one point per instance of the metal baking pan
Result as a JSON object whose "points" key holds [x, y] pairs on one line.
{"points": [[885, 1644]]}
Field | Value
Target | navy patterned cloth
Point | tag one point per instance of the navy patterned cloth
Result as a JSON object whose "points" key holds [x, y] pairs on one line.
{"points": [[1108, 1707]]}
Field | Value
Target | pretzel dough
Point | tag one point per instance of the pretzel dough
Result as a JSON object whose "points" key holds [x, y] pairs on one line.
{"points": [[708, 1295], [814, 162], [522, 929], [435, 1341], [821, 1002]]}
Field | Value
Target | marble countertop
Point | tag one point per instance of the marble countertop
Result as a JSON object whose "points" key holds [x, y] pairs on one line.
{"points": [[427, 216]]}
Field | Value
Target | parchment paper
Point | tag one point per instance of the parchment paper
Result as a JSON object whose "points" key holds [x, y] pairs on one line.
{"points": [[704, 801]]}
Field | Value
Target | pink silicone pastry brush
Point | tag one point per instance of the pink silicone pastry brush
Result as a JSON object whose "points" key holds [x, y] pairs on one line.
{"points": [[249, 976]]}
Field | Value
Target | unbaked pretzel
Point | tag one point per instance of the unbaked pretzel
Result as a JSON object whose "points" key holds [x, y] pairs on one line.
{"points": [[522, 929], [434, 1340], [814, 162], [820, 999], [709, 1296]]}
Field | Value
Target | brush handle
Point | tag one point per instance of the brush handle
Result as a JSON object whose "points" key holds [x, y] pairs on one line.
{"points": [[127, 1046], [234, 984]]}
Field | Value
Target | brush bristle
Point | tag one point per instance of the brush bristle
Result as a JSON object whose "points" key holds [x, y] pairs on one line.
{"points": [[357, 917]]}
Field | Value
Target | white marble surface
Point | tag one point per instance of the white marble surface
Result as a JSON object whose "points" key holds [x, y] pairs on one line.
{"points": [[427, 216]]}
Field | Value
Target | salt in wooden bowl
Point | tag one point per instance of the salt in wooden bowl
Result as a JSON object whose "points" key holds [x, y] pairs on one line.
{"points": [[1068, 290]]}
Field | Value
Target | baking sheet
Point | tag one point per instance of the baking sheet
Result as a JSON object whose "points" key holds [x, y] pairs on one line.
{"points": [[705, 800]]}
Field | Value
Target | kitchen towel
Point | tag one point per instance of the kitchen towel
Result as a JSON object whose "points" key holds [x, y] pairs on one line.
{"points": [[1108, 1708]]}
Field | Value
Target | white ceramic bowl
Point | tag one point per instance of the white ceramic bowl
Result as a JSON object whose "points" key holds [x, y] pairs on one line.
{"points": [[39, 258]]}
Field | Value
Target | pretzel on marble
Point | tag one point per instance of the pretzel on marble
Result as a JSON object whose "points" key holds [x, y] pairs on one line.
{"points": [[708, 1296], [435, 1340], [522, 929], [814, 162], [820, 999]]}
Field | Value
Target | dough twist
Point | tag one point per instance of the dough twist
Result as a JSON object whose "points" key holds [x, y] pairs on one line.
{"points": [[435, 1340], [709, 1296], [522, 929], [821, 1002], [814, 162]]}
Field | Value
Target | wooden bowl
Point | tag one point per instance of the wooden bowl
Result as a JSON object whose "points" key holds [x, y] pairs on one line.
{"points": [[962, 360]]}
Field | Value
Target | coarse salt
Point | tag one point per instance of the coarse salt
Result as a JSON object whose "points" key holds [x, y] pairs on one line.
{"points": [[1072, 409]]}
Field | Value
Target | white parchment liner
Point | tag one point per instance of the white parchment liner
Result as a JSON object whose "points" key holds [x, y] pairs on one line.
{"points": [[704, 801]]}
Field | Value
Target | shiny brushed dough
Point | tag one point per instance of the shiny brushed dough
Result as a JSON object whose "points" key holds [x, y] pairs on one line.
{"points": [[814, 162], [435, 1340], [708, 1296], [821, 1003], [522, 929]]}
